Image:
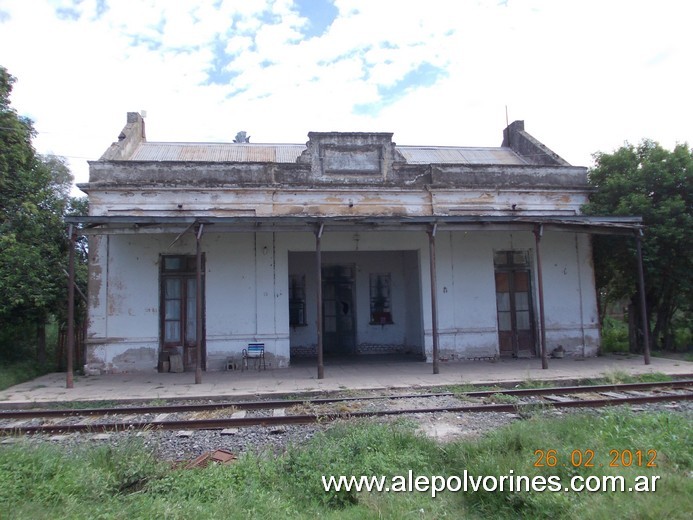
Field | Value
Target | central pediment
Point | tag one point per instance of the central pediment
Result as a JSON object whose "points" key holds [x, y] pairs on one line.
{"points": [[349, 155]]}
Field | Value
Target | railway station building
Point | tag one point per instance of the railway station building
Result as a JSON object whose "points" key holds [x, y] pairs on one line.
{"points": [[347, 245]]}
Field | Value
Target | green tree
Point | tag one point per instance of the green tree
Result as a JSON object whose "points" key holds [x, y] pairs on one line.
{"points": [[654, 183], [34, 197]]}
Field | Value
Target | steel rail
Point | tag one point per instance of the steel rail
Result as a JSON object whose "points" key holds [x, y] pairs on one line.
{"points": [[286, 403], [211, 424]]}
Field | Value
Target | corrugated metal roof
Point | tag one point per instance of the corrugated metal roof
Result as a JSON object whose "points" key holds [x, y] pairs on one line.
{"points": [[288, 153], [218, 152], [458, 155]]}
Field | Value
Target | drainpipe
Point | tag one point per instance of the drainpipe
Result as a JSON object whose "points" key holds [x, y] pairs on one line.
{"points": [[434, 298], [318, 260], [643, 301], [198, 306], [538, 232], [69, 379]]}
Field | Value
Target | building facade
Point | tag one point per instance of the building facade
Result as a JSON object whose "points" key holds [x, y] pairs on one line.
{"points": [[348, 245]]}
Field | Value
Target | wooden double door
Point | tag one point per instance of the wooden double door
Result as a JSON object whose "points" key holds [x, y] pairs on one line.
{"points": [[516, 333], [179, 309]]}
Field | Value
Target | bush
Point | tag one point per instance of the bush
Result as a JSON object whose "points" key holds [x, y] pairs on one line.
{"points": [[19, 372], [614, 336], [683, 338], [18, 352]]}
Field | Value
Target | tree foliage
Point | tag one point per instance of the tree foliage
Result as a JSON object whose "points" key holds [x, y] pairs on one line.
{"points": [[654, 183], [34, 198]]}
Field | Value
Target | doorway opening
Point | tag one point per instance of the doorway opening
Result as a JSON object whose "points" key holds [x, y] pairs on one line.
{"points": [[339, 327], [371, 305]]}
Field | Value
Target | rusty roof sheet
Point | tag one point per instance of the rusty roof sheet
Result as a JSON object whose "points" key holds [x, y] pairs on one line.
{"points": [[218, 152], [458, 155], [288, 153]]}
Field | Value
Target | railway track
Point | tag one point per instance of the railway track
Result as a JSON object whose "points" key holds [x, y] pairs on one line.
{"points": [[222, 415]]}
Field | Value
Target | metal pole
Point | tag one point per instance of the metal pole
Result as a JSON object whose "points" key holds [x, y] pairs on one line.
{"points": [[538, 231], [434, 297], [69, 378], [198, 307], [643, 300], [318, 260]]}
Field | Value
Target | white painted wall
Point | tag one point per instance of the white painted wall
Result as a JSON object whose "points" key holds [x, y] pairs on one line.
{"points": [[243, 302], [467, 321], [247, 292]]}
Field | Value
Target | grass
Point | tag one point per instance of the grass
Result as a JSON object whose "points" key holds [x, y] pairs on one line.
{"points": [[502, 399], [654, 377], [80, 405], [619, 377], [534, 383], [129, 482], [462, 389], [18, 352], [19, 372]]}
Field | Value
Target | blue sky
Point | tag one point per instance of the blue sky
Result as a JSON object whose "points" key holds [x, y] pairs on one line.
{"points": [[585, 75]]}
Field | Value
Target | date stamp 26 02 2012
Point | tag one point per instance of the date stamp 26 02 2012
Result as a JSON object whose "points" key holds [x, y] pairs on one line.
{"points": [[586, 459]]}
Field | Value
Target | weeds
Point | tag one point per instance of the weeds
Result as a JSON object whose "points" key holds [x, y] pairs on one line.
{"points": [[654, 377], [618, 377], [19, 372], [463, 389], [502, 399], [81, 405], [614, 336], [535, 383], [42, 481]]}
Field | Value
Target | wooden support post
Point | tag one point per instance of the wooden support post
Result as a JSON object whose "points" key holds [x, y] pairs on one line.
{"points": [[318, 267], [434, 297], [69, 378], [643, 299], [538, 232], [198, 306]]}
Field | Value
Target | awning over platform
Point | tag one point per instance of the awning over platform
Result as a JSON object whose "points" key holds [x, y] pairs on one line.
{"points": [[119, 224]]}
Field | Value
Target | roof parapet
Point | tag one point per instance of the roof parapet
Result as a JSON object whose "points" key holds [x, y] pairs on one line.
{"points": [[128, 140], [529, 148]]}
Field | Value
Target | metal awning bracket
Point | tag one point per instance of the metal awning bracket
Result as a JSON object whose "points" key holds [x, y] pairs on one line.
{"points": [[181, 234]]}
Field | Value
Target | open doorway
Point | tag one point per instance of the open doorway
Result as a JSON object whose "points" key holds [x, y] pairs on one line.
{"points": [[339, 326], [371, 304]]}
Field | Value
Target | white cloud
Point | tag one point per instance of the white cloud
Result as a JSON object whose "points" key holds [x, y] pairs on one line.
{"points": [[586, 75]]}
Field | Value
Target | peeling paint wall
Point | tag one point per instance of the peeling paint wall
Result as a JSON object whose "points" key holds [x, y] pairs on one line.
{"points": [[247, 293], [338, 174], [241, 305], [305, 201], [467, 313]]}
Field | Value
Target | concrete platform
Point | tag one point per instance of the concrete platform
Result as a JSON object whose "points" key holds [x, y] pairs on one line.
{"points": [[363, 374]]}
